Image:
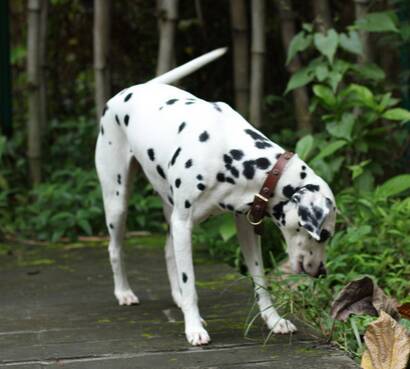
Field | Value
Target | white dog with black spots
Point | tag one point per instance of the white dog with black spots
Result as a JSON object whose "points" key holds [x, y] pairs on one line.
{"points": [[203, 158]]}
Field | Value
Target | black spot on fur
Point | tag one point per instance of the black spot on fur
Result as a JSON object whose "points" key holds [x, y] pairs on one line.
{"points": [[278, 156], [278, 210], [111, 226], [230, 180], [126, 119], [227, 159], [161, 172], [189, 102], [151, 154], [283, 221], [117, 193], [128, 97], [324, 235], [170, 200], [184, 278], [302, 175], [234, 172], [220, 177], [171, 189], [230, 207], [117, 119], [104, 110], [188, 163], [199, 177], [312, 187], [181, 127], [109, 143], [303, 167], [222, 205], [102, 130], [216, 107], [187, 204], [249, 169], [177, 182], [318, 212], [174, 157], [262, 144], [288, 191], [255, 135], [256, 263], [200, 186], [262, 163], [204, 136], [172, 101], [119, 179], [237, 154]]}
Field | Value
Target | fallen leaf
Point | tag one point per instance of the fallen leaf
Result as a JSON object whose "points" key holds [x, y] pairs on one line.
{"points": [[366, 362], [388, 343], [362, 296], [404, 310]]}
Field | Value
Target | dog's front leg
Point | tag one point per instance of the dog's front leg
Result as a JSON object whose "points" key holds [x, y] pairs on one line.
{"points": [[251, 250], [181, 227]]}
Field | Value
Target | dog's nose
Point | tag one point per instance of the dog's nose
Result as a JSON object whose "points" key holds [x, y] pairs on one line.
{"points": [[321, 271]]}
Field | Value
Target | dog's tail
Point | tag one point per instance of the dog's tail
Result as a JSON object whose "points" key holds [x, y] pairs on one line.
{"points": [[188, 68]]}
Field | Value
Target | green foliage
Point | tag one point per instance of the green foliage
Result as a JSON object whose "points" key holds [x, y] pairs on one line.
{"points": [[350, 103], [373, 240]]}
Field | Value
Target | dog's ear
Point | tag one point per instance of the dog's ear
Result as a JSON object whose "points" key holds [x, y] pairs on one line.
{"points": [[313, 209]]}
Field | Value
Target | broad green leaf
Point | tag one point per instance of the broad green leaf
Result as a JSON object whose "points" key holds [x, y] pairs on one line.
{"points": [[299, 43], [358, 169], [227, 229], [387, 100], [304, 146], [377, 22], [85, 226], [397, 114], [363, 94], [364, 182], [334, 79], [301, 78], [342, 129], [330, 149], [308, 27], [351, 42], [394, 186], [325, 94], [327, 43], [370, 71], [321, 72]]}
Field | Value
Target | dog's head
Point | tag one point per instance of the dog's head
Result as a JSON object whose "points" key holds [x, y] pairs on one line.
{"points": [[307, 221]]}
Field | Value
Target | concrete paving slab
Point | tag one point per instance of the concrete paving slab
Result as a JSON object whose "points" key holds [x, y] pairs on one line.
{"points": [[57, 309]]}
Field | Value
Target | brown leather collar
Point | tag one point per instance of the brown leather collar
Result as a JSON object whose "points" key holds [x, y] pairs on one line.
{"points": [[256, 213]]}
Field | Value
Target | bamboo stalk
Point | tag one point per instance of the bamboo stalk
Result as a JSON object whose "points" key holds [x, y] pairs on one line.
{"points": [[167, 18], [240, 54], [43, 65], [257, 61], [102, 26], [300, 95], [33, 91], [361, 7], [323, 17]]}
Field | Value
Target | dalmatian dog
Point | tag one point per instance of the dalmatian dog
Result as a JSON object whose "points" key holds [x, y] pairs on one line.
{"points": [[203, 158]]}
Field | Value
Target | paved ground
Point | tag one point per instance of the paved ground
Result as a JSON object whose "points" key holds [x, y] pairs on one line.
{"points": [[57, 310]]}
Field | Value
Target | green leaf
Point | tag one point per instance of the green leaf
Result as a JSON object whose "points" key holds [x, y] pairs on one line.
{"points": [[363, 94], [299, 43], [321, 72], [369, 71], [85, 226], [325, 94], [327, 43], [334, 78], [308, 27], [342, 129], [330, 149], [397, 114], [351, 42], [304, 146], [377, 22], [394, 186], [301, 78], [227, 229], [358, 169]]}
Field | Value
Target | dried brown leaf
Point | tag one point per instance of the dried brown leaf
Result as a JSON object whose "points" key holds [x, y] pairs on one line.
{"points": [[366, 362], [388, 343], [404, 310], [362, 296]]}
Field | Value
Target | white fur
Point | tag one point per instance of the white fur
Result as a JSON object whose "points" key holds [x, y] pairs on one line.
{"points": [[154, 124]]}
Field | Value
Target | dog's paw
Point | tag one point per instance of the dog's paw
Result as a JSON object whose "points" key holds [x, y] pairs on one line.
{"points": [[126, 297], [281, 326], [197, 336]]}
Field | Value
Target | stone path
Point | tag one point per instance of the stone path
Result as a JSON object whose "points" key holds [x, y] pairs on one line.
{"points": [[57, 310]]}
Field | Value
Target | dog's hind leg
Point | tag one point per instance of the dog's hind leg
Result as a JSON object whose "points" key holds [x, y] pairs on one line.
{"points": [[116, 167], [170, 259], [251, 250]]}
